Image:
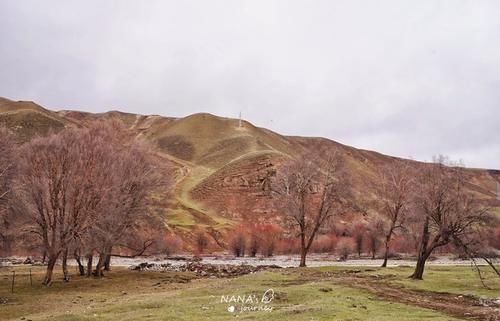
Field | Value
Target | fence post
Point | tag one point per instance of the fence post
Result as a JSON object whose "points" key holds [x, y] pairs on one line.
{"points": [[13, 280], [31, 279]]}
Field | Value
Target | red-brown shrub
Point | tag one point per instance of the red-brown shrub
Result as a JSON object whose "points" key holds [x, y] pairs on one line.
{"points": [[288, 246], [345, 247], [325, 244], [237, 244], [202, 241]]}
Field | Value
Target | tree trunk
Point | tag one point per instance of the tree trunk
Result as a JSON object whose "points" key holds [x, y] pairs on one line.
{"points": [[100, 265], [419, 269], [50, 270], [81, 268], [89, 264], [303, 250], [303, 254], [107, 260], [423, 253], [386, 254], [65, 266]]}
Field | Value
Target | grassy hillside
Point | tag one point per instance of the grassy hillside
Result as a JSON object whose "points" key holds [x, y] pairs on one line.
{"points": [[220, 164]]}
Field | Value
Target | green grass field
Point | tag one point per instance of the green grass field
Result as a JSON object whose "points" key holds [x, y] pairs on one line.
{"points": [[300, 294]]}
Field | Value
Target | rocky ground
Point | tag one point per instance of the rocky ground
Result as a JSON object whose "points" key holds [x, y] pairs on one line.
{"points": [[204, 269], [284, 261]]}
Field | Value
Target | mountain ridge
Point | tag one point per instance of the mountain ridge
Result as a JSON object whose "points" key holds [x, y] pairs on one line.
{"points": [[220, 166]]}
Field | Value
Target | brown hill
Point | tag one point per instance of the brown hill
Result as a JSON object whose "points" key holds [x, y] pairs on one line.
{"points": [[221, 166]]}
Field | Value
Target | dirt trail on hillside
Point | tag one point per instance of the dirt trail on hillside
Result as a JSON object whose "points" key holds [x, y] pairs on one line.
{"points": [[461, 306]]}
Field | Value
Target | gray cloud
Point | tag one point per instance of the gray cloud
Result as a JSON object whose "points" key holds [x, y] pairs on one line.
{"points": [[407, 78]]}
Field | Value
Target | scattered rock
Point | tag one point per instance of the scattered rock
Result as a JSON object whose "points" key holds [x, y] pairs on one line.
{"points": [[326, 289], [487, 302], [204, 270], [176, 258], [28, 261]]}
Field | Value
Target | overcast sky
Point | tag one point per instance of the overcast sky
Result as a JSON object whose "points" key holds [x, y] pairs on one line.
{"points": [[406, 78]]}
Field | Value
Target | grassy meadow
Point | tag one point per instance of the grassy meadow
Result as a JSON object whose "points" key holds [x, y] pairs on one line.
{"points": [[327, 293]]}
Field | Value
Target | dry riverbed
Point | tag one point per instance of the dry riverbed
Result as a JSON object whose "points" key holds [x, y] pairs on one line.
{"points": [[284, 261], [287, 261]]}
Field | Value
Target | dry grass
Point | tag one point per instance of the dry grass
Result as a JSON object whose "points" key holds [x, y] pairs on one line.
{"points": [[130, 295]]}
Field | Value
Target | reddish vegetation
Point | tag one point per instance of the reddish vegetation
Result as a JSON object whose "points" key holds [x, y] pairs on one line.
{"points": [[255, 239], [223, 197], [201, 241], [308, 193], [325, 243], [85, 191], [345, 247], [238, 190]]}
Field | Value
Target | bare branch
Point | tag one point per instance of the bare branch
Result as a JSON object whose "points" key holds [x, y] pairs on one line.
{"points": [[309, 192]]}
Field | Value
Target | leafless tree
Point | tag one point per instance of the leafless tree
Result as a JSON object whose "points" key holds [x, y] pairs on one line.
{"points": [[344, 248], [395, 183], [450, 213], [60, 186], [7, 169], [375, 231], [359, 233], [201, 241], [238, 244], [253, 245], [83, 189], [308, 193], [133, 177]]}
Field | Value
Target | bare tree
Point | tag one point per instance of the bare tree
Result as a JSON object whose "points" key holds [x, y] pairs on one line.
{"points": [[253, 245], [60, 186], [309, 192], [375, 230], [395, 185], [7, 169], [344, 248], [83, 188], [238, 244], [358, 232], [450, 214], [201, 241], [133, 176]]}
